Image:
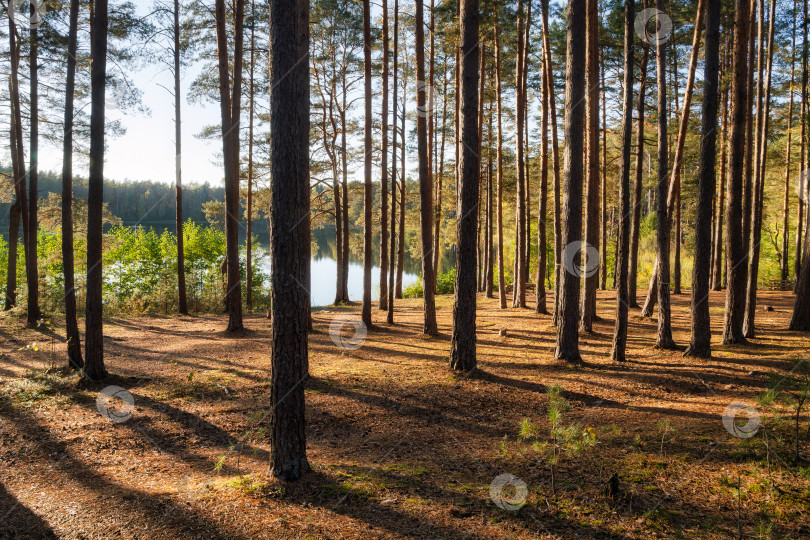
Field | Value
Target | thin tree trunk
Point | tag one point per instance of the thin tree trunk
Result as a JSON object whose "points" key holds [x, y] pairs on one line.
{"points": [[289, 246], [617, 352], [403, 188], [749, 325], [567, 347], [797, 261], [489, 272], [383, 302], [700, 344], [664, 338], [542, 241], [74, 347], [501, 277], [425, 180], [591, 282], [481, 236], [437, 213], [249, 231], [604, 224], [392, 252], [717, 259], [735, 293], [632, 276], [462, 345], [94, 353], [367, 187], [785, 268], [519, 277], [230, 107], [548, 81], [33, 312]]}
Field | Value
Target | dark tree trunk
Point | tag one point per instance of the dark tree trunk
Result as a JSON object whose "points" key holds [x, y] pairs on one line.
{"points": [[181, 270], [749, 326], [32, 272], [501, 277], [797, 261], [617, 353], [519, 277], [542, 247], [94, 353], [289, 246], [664, 339], [249, 219], [462, 347], [368, 232], [74, 347], [632, 276], [548, 82], [735, 293], [425, 181], [591, 282], [700, 344], [402, 191], [567, 347], [489, 272], [785, 267], [392, 252], [383, 302], [230, 107], [717, 257]]}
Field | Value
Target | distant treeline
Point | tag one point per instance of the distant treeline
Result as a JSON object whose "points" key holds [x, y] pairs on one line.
{"points": [[148, 203]]}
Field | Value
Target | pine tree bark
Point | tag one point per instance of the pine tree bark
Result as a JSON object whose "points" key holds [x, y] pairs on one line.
{"points": [[249, 219], [784, 266], [74, 347], [548, 81], [31, 259], [383, 302], [618, 351], [393, 242], [462, 345], [700, 344], [717, 257], [519, 276], [182, 302], [230, 109], [735, 250], [367, 186], [542, 241], [289, 245], [664, 338], [797, 261], [567, 347], [94, 368], [498, 99], [425, 181], [632, 276], [592, 218]]}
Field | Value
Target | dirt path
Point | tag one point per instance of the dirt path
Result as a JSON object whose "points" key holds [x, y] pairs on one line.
{"points": [[401, 448]]}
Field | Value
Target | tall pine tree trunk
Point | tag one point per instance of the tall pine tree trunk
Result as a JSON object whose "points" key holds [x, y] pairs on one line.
{"points": [[617, 352], [94, 353], [74, 348], [368, 233], [784, 267], [289, 246], [735, 250], [383, 302], [635, 230], [567, 347], [33, 313], [181, 271], [462, 345], [498, 101], [700, 344], [425, 181]]}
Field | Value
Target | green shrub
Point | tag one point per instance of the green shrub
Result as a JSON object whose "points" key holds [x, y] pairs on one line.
{"points": [[445, 284]]}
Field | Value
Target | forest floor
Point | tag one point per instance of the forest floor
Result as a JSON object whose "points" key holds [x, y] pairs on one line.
{"points": [[401, 447]]}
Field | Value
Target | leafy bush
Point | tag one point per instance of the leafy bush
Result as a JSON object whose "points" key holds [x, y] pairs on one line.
{"points": [[445, 284]]}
